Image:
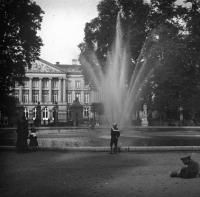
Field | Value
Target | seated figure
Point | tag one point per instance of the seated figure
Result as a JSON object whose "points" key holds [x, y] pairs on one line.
{"points": [[190, 170]]}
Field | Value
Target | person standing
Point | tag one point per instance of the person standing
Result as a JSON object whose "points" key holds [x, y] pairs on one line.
{"points": [[22, 133], [33, 144], [115, 133]]}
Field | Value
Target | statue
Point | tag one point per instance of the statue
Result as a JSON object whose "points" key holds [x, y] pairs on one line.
{"points": [[144, 115]]}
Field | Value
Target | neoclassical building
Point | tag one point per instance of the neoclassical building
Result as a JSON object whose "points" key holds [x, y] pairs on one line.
{"points": [[57, 89]]}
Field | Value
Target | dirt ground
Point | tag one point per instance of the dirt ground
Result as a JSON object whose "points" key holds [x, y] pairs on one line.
{"points": [[90, 174]]}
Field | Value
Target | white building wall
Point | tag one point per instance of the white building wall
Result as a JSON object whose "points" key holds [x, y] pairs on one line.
{"points": [[63, 88]]}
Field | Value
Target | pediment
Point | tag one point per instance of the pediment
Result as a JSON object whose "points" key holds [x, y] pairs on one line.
{"points": [[42, 66]]}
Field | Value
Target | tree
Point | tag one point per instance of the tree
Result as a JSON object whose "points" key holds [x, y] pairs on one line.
{"points": [[167, 35], [100, 32], [19, 42], [192, 19], [97, 108], [99, 36], [175, 83]]}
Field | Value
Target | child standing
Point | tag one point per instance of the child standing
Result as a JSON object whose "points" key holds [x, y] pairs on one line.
{"points": [[115, 133], [33, 144]]}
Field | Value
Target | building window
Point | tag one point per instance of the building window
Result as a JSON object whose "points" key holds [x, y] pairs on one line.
{"points": [[77, 84], [86, 112], [78, 95], [54, 96], [16, 84], [35, 96], [69, 85], [26, 83], [69, 97], [54, 84], [86, 97], [25, 96], [35, 83], [26, 113], [45, 96], [45, 114], [17, 94], [44, 83]]}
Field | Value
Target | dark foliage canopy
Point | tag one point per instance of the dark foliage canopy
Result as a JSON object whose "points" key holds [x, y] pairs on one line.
{"points": [[19, 42], [175, 81]]}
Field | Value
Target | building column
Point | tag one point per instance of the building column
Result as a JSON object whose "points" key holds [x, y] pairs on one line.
{"points": [[73, 96], [82, 97], [64, 90], [30, 89], [20, 94], [59, 90], [40, 90], [50, 89]]}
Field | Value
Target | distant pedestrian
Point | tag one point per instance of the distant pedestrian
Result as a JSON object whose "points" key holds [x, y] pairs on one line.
{"points": [[115, 133], [190, 170], [22, 133], [33, 143]]}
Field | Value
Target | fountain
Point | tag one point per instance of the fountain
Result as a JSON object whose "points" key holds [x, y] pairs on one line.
{"points": [[118, 96]]}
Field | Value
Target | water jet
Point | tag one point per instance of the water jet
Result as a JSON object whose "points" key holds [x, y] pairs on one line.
{"points": [[117, 95]]}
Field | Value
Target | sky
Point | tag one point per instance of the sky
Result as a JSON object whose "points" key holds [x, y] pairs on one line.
{"points": [[62, 28]]}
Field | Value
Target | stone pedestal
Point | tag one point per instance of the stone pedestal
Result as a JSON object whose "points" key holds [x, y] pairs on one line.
{"points": [[144, 122]]}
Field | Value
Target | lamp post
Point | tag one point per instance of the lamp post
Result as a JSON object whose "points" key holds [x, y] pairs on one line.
{"points": [[181, 115], [38, 114]]}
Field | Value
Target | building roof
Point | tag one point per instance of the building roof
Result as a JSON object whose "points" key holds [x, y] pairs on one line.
{"points": [[42, 66], [69, 68]]}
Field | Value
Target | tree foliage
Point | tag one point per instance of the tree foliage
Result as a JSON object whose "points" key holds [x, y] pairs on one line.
{"points": [[19, 42], [100, 32], [177, 77], [174, 56]]}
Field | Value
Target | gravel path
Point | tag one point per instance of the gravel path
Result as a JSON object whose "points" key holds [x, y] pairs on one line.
{"points": [[87, 174]]}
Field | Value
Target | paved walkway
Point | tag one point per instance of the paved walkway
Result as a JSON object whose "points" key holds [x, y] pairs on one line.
{"points": [[89, 174], [79, 137]]}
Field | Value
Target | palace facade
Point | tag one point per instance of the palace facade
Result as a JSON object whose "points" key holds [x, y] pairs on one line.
{"points": [[58, 90]]}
